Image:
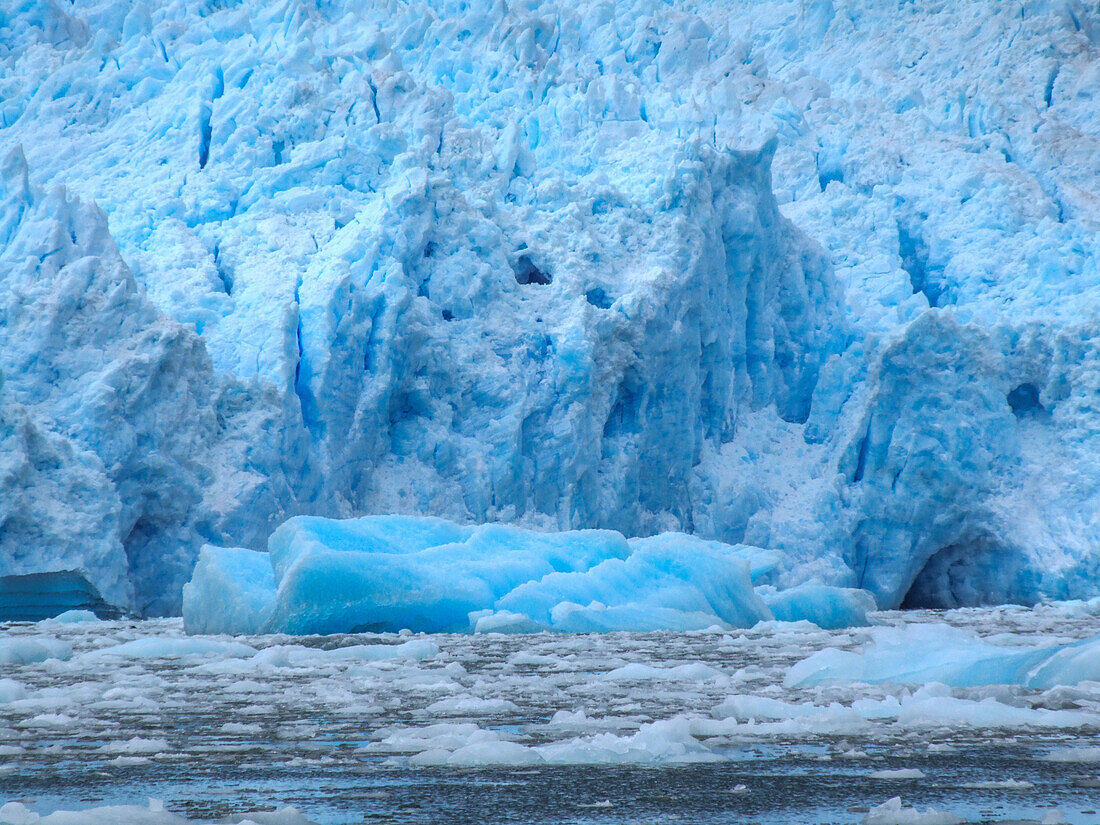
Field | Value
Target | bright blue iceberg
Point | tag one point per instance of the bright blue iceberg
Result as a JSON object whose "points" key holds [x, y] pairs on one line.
{"points": [[827, 607], [231, 591], [388, 573]]}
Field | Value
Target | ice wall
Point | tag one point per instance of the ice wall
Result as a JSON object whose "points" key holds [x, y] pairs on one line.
{"points": [[541, 263], [122, 448]]}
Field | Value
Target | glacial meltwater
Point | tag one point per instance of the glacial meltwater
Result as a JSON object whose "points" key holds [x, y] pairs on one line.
{"points": [[978, 715]]}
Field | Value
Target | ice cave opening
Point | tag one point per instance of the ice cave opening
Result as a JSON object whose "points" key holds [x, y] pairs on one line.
{"points": [[969, 573], [1024, 400], [528, 273]]}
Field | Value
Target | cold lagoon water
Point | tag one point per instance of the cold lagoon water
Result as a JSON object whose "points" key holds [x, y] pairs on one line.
{"points": [[711, 726]]}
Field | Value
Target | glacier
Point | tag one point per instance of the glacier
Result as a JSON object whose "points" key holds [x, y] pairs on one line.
{"points": [[818, 278]]}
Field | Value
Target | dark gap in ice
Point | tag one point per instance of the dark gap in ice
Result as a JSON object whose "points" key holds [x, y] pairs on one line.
{"points": [[448, 315], [1048, 96], [374, 99], [598, 298], [219, 84], [527, 273], [959, 575], [861, 461], [429, 249], [1024, 400], [36, 596], [914, 260], [626, 413], [277, 147], [223, 276], [204, 134], [828, 170], [301, 388]]}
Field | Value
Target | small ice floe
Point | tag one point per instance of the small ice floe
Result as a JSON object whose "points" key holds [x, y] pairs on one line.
{"points": [[136, 746], [55, 721], [891, 812], [153, 647], [1073, 755], [242, 728], [29, 651], [470, 706], [901, 773], [999, 785], [11, 691], [72, 617]]}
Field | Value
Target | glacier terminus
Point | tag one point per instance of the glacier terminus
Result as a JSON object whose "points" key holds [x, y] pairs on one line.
{"points": [[638, 267], [429, 391]]}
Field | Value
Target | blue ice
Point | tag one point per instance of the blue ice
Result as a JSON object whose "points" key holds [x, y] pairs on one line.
{"points": [[388, 573]]}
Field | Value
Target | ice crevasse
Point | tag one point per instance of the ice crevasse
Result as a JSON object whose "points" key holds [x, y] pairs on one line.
{"points": [[774, 275]]}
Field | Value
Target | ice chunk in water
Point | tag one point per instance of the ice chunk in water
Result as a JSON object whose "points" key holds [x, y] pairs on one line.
{"points": [[231, 591], [387, 573], [936, 653], [827, 607], [25, 651], [891, 812]]}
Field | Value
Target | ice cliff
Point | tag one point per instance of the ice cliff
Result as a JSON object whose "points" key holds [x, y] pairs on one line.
{"points": [[813, 277]]}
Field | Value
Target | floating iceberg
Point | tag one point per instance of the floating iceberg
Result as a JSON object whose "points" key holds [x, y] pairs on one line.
{"points": [[827, 607], [388, 573], [891, 812], [919, 654], [231, 591]]}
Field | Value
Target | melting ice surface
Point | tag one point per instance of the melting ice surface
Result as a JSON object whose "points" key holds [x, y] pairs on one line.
{"points": [[985, 714]]}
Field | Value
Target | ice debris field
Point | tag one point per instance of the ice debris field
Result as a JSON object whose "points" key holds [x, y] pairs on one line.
{"points": [[981, 714]]}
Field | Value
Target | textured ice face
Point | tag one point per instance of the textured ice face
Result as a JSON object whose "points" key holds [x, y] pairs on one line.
{"points": [[123, 448], [499, 263]]}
